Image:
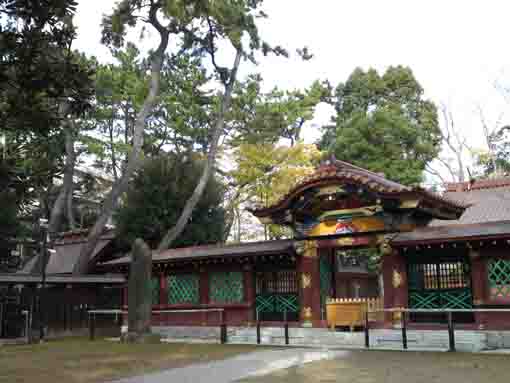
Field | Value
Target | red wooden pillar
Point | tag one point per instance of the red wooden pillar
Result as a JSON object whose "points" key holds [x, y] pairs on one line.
{"points": [[163, 296], [125, 296], [249, 290], [309, 289], [394, 283], [124, 305], [204, 293], [479, 286], [387, 272], [163, 290]]}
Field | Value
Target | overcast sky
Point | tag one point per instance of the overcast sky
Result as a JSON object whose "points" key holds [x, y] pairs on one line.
{"points": [[457, 49]]}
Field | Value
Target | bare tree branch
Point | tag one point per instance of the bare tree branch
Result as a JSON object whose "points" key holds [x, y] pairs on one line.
{"points": [[175, 231], [133, 162]]}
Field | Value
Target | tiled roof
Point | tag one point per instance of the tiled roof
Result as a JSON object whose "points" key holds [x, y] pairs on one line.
{"points": [[239, 249], [336, 170], [65, 257], [438, 234], [487, 203], [488, 213], [478, 184], [30, 278]]}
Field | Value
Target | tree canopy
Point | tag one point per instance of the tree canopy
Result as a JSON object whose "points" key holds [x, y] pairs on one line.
{"points": [[266, 172], [156, 196], [384, 124], [44, 85], [495, 161]]}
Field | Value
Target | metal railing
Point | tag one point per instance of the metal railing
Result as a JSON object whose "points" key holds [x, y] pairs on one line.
{"points": [[93, 313], [285, 327], [403, 318]]}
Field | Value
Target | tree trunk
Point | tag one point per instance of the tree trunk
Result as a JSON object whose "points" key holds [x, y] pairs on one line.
{"points": [[460, 164], [139, 292], [175, 231], [133, 163], [66, 190], [71, 220], [238, 216]]}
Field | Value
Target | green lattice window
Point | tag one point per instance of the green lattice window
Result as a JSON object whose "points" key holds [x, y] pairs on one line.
{"points": [[155, 290], [183, 288], [454, 299], [226, 287], [499, 278], [439, 283]]}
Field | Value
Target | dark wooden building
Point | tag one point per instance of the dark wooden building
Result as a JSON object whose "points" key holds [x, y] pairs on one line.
{"points": [[59, 299]]}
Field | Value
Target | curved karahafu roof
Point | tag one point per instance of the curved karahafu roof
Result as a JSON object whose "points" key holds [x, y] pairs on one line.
{"points": [[335, 172]]}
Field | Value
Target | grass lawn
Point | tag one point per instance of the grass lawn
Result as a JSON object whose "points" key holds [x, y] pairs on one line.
{"points": [[398, 367], [83, 361]]}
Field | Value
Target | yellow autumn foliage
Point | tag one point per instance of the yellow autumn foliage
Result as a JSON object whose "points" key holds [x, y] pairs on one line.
{"points": [[267, 172]]}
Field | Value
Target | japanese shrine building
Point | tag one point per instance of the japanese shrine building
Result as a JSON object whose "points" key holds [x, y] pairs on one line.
{"points": [[439, 251]]}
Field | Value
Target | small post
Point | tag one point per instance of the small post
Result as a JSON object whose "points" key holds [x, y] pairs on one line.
{"points": [[367, 335], [451, 332], [258, 328], [27, 325], [223, 330], [92, 326], [286, 327], [404, 329]]}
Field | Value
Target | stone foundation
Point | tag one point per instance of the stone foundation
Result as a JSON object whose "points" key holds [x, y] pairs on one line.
{"points": [[433, 340]]}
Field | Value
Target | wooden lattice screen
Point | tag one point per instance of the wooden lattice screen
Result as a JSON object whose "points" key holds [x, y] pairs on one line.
{"points": [[226, 287], [277, 293], [279, 282], [183, 288], [499, 278], [440, 285], [155, 290]]}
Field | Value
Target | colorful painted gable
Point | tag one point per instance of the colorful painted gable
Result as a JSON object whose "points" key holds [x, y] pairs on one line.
{"points": [[341, 199]]}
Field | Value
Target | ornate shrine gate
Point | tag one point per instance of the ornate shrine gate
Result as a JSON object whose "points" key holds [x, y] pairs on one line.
{"points": [[277, 295], [439, 283]]}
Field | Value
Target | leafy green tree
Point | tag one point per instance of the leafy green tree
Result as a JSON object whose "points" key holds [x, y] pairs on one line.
{"points": [[384, 124], [495, 161], [156, 196], [266, 117], [8, 205], [266, 172], [196, 27], [44, 86]]}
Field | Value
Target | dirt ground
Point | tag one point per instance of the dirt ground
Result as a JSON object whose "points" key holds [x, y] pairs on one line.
{"points": [[398, 367], [83, 361]]}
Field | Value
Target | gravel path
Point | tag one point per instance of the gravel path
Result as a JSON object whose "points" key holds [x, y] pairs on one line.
{"points": [[242, 366]]}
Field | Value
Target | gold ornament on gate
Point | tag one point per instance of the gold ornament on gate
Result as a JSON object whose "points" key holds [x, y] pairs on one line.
{"points": [[306, 280], [310, 249], [307, 312], [397, 279], [385, 248]]}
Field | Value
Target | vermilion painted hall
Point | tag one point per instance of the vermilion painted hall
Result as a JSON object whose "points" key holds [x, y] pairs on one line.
{"points": [[437, 251], [448, 251]]}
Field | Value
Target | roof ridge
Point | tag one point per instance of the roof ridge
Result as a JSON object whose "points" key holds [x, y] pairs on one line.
{"points": [[480, 184], [221, 245]]}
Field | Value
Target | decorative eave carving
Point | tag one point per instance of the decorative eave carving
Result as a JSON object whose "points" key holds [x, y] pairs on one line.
{"points": [[409, 197]]}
